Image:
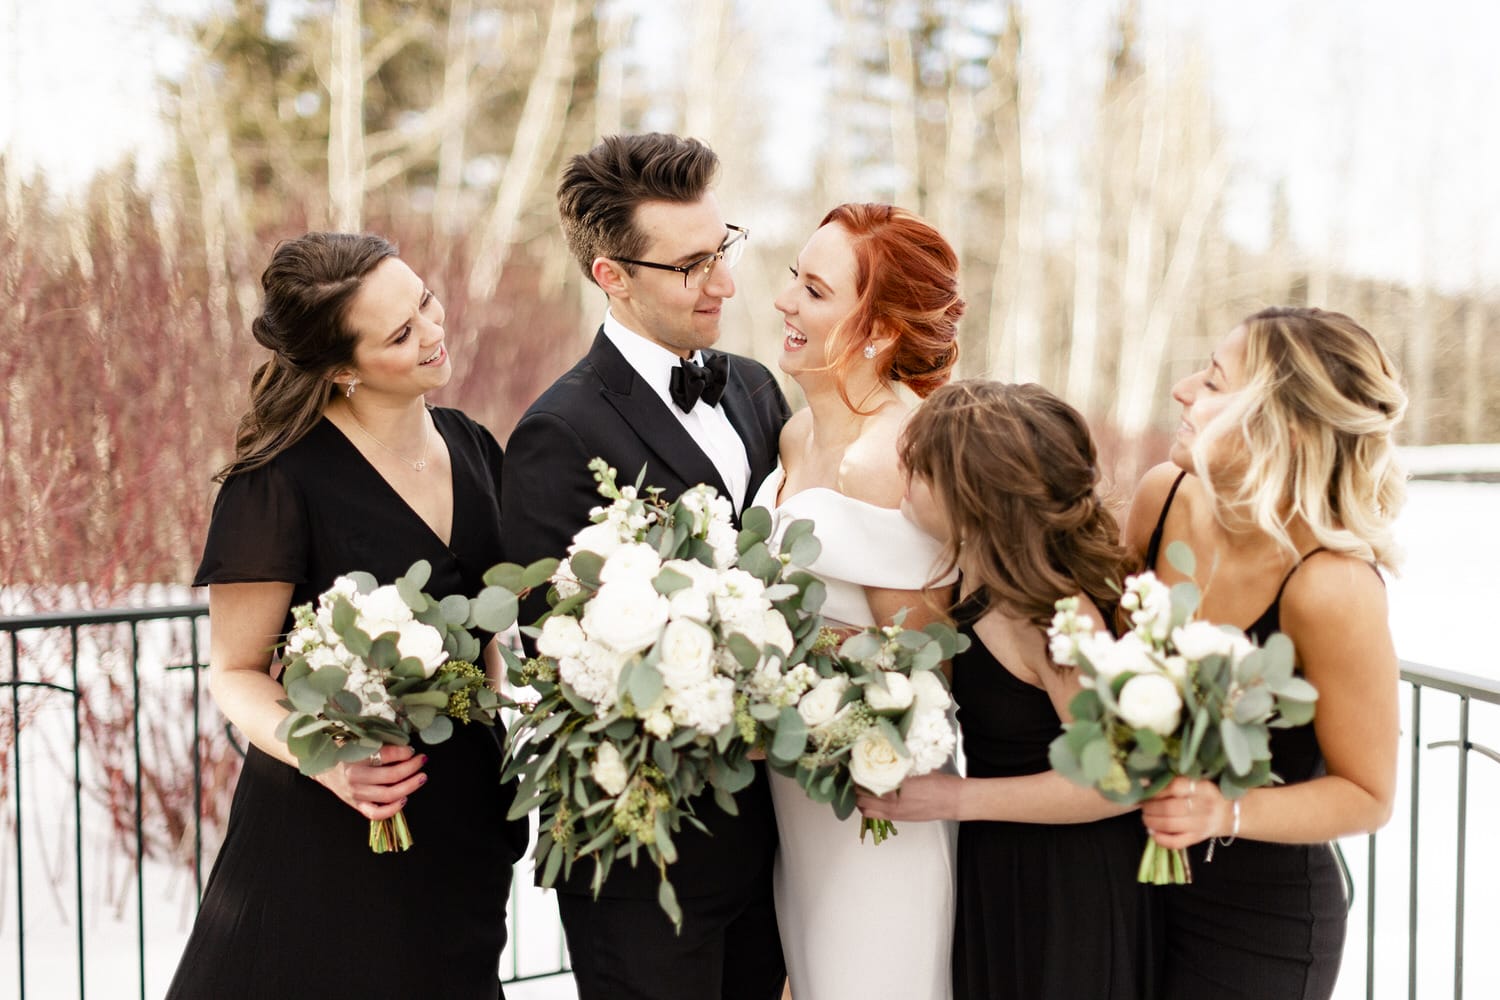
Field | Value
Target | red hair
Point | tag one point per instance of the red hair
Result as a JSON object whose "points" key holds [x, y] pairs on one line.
{"points": [[906, 280]]}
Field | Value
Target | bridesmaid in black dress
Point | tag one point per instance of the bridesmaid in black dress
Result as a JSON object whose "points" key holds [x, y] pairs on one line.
{"points": [[1283, 480], [1048, 904], [339, 466]]}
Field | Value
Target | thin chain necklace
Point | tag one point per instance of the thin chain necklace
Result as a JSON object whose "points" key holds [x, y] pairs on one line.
{"points": [[420, 463]]}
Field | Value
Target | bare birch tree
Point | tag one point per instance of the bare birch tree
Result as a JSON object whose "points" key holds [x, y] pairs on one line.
{"points": [[346, 124]]}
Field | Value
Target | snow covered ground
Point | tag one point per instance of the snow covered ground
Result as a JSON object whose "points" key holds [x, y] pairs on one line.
{"points": [[1439, 605]]}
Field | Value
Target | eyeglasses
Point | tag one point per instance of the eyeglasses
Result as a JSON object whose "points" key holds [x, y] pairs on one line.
{"points": [[697, 272]]}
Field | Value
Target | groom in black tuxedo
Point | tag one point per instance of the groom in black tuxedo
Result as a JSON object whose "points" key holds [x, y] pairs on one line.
{"points": [[646, 228]]}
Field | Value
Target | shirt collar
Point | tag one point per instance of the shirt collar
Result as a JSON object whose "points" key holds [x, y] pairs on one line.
{"points": [[652, 362]]}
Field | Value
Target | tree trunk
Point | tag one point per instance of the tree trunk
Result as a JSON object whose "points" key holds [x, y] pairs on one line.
{"points": [[346, 129], [457, 70], [537, 134]]}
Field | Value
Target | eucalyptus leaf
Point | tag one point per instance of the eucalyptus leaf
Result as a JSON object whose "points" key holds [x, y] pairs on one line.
{"points": [[1297, 689], [363, 582], [669, 581], [1236, 747], [327, 680], [412, 594], [1185, 600], [1180, 557], [666, 898], [745, 652], [455, 608], [586, 566], [437, 731], [505, 575], [536, 574], [494, 610], [1293, 713], [1095, 761], [757, 520], [645, 685], [791, 737], [803, 551], [813, 596], [1254, 705]]}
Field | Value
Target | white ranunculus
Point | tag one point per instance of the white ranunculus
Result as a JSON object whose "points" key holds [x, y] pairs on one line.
{"points": [[686, 655], [561, 637], [931, 740], [820, 704], [1151, 701], [632, 562], [602, 539], [383, 610], [608, 769], [1200, 640], [708, 708], [875, 765], [626, 615], [897, 694], [423, 642], [930, 692]]}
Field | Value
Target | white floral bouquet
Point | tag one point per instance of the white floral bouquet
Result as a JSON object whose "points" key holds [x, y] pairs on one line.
{"points": [[661, 610], [373, 665], [865, 712], [1172, 696]]}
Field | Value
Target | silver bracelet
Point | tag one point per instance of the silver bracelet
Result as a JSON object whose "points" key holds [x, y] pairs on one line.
{"points": [[1234, 832]]}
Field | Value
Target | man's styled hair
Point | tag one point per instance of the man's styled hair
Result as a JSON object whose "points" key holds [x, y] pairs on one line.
{"points": [[600, 190]]}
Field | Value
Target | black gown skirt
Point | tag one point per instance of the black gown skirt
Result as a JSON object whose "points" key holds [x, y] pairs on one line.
{"points": [[296, 904]]}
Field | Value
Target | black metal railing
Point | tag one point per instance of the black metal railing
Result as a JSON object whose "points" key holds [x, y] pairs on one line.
{"points": [[90, 661], [49, 658]]}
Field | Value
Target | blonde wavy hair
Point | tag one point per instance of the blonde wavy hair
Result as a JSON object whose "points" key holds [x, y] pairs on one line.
{"points": [[1314, 423]]}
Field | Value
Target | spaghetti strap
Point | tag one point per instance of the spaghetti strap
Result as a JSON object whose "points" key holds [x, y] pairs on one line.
{"points": [[1153, 547], [1295, 567]]}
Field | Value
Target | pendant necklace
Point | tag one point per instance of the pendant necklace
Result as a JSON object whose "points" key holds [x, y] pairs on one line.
{"points": [[420, 463]]}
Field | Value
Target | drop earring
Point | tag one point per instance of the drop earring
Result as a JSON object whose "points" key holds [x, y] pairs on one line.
{"points": [[869, 352], [349, 389]]}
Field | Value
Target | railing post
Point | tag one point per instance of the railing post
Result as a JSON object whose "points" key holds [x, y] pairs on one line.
{"points": [[1463, 820], [1416, 812], [140, 838], [77, 798], [1370, 919], [15, 763]]}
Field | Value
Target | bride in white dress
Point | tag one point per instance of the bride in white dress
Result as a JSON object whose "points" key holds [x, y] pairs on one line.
{"points": [[871, 316]]}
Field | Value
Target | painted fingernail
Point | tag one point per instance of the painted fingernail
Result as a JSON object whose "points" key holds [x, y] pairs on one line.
{"points": [[424, 780]]}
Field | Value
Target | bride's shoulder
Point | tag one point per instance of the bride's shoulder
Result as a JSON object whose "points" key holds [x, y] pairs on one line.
{"points": [[870, 470]]}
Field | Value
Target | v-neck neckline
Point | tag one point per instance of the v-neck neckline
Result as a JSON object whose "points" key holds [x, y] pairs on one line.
{"points": [[386, 483]]}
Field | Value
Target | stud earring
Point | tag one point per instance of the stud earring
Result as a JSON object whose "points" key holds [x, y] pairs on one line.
{"points": [[349, 389], [869, 352]]}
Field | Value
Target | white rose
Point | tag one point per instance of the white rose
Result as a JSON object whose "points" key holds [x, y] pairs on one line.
{"points": [[631, 562], [930, 693], [708, 708], [561, 637], [875, 765], [689, 604], [1200, 640], [1112, 657], [897, 694], [608, 769], [687, 654], [423, 642], [820, 704], [1151, 701], [601, 539], [383, 610], [931, 741], [627, 616]]}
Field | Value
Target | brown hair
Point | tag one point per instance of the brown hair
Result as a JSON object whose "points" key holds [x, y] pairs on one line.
{"points": [[600, 190], [308, 287], [906, 280], [1315, 424], [1017, 474]]}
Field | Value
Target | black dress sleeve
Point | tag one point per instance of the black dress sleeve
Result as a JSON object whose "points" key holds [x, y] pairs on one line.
{"points": [[258, 532]]}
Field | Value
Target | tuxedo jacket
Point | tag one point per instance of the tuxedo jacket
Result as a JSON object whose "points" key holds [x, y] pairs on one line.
{"points": [[602, 408]]}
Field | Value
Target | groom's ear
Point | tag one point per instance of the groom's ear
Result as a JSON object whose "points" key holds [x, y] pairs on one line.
{"points": [[610, 276]]}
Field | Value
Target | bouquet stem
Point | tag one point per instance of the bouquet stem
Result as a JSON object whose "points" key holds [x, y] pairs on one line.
{"points": [[880, 828], [390, 834], [1163, 866]]}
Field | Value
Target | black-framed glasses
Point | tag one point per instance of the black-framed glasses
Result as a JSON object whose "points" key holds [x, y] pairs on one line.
{"points": [[696, 273]]}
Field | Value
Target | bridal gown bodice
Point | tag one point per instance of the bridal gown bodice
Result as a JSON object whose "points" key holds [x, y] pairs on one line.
{"points": [[835, 896]]}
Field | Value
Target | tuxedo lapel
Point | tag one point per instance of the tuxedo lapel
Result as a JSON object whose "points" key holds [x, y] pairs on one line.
{"points": [[740, 409], [653, 424]]}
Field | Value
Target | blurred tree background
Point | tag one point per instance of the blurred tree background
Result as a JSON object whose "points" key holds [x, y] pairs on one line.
{"points": [[125, 354]]}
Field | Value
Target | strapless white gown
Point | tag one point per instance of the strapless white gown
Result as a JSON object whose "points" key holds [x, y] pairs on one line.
{"points": [[860, 922]]}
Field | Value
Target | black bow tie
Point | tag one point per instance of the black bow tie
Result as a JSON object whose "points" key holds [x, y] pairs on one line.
{"points": [[691, 382]]}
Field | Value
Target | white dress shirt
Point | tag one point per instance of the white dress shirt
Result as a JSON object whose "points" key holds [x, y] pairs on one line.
{"points": [[709, 426]]}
